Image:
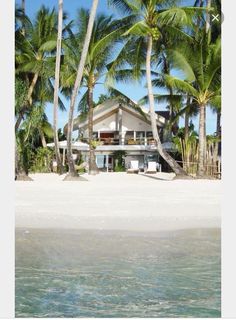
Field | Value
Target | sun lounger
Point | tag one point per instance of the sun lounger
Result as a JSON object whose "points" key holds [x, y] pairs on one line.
{"points": [[134, 167], [152, 167]]}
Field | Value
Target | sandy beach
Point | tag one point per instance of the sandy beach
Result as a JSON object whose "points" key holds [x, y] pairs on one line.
{"points": [[118, 201]]}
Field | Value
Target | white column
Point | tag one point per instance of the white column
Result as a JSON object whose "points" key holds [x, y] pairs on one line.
{"points": [[145, 138], [134, 135], [107, 161], [123, 137], [120, 125]]}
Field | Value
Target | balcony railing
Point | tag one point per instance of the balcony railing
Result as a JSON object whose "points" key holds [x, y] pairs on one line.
{"points": [[123, 141]]}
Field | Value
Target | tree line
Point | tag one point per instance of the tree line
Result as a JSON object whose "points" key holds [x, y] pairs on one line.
{"points": [[151, 41]]}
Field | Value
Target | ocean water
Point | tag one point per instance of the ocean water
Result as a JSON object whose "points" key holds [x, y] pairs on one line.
{"points": [[64, 273]]}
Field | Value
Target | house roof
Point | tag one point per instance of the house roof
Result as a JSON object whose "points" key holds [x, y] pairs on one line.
{"points": [[110, 107], [164, 114]]}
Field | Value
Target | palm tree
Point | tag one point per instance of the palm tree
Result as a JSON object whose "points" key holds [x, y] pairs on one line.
{"points": [[56, 84], [106, 32], [203, 84], [152, 16], [72, 172], [33, 128], [33, 60]]}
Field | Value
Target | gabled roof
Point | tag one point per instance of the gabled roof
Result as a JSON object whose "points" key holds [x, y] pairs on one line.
{"points": [[110, 107]]}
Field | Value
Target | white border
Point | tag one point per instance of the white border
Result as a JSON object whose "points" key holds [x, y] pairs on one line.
{"points": [[7, 160], [229, 176], [7, 156]]}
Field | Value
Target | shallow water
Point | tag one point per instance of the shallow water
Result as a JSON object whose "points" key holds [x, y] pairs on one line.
{"points": [[117, 274]]}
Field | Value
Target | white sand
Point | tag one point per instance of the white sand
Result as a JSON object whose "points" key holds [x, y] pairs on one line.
{"points": [[118, 201]]}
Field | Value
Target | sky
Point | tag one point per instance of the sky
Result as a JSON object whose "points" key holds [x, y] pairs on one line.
{"points": [[135, 90]]}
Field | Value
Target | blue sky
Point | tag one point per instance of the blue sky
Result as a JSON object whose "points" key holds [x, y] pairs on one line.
{"points": [[135, 90]]}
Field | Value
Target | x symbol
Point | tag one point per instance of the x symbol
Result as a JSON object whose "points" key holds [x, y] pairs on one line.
{"points": [[215, 17]]}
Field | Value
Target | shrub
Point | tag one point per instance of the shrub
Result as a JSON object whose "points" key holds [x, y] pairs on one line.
{"points": [[119, 160], [42, 160]]}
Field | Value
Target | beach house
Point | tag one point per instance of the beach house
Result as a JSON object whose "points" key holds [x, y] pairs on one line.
{"points": [[121, 127]]}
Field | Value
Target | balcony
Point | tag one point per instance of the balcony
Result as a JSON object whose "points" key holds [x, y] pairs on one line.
{"points": [[123, 141], [116, 138]]}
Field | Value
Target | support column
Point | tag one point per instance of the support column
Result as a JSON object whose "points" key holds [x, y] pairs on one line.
{"points": [[107, 161], [120, 125]]}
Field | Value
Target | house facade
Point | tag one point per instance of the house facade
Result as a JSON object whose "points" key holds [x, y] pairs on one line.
{"points": [[121, 127]]}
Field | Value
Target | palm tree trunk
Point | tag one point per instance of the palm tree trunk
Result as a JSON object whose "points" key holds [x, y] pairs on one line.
{"points": [[31, 88], [202, 142], [23, 11], [208, 5], [23, 6], [172, 163], [93, 169], [18, 121], [43, 140], [186, 125], [79, 76], [56, 86], [186, 135], [217, 144]]}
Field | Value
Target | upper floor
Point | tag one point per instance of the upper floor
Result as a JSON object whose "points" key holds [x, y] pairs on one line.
{"points": [[120, 124]]}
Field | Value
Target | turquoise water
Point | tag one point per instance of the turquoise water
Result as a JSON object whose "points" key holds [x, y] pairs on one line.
{"points": [[117, 274]]}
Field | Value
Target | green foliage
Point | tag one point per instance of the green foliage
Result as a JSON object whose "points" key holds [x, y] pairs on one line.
{"points": [[42, 160], [179, 43], [21, 90], [188, 148], [119, 160], [119, 168], [24, 151]]}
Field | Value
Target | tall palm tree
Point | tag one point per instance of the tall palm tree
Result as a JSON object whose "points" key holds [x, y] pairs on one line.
{"points": [[106, 32], [33, 60], [204, 86], [151, 16], [56, 84], [72, 172]]}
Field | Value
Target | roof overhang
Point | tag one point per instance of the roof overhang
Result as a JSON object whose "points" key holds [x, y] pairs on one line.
{"points": [[111, 107]]}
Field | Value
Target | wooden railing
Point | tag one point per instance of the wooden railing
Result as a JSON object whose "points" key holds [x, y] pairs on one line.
{"points": [[116, 141]]}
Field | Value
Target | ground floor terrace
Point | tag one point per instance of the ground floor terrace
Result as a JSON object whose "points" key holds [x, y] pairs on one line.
{"points": [[105, 158]]}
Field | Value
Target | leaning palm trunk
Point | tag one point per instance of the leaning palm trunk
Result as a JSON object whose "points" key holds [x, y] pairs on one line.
{"points": [[202, 142], [56, 86], [172, 163], [79, 76], [43, 140], [93, 169]]}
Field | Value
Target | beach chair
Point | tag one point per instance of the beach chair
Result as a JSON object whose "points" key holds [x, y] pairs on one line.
{"points": [[134, 167], [152, 167]]}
